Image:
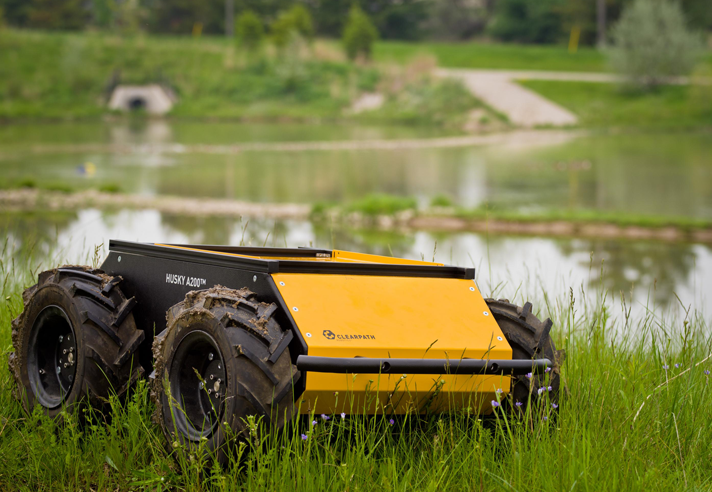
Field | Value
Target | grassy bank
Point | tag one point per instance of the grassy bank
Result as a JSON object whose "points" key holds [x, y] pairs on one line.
{"points": [[68, 76], [634, 415], [610, 106], [389, 211]]}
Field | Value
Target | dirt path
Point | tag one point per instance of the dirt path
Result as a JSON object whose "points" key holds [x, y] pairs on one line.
{"points": [[31, 199], [523, 107]]}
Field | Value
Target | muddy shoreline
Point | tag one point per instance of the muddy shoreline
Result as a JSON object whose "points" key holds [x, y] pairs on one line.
{"points": [[34, 200]]}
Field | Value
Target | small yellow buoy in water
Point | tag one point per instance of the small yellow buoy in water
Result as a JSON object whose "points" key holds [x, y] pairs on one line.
{"points": [[87, 169]]}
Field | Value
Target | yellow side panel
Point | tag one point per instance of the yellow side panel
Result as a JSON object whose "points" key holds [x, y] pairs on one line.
{"points": [[398, 317]]}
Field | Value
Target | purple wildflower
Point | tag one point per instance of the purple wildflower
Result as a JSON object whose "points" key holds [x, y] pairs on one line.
{"points": [[498, 391], [325, 417], [519, 404], [666, 367], [391, 422], [548, 388], [314, 422], [547, 369], [495, 404], [529, 375], [677, 366], [554, 406], [343, 415], [707, 372], [304, 437], [545, 418]]}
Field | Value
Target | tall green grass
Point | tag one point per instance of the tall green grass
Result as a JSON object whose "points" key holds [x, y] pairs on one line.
{"points": [[625, 422]]}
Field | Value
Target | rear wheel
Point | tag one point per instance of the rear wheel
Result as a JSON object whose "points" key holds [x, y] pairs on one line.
{"points": [[75, 340], [221, 359], [529, 338]]}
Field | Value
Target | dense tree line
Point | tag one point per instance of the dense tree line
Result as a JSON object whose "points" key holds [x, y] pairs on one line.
{"points": [[540, 21]]}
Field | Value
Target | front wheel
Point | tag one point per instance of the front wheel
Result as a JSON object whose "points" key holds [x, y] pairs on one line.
{"points": [[221, 360], [529, 338]]}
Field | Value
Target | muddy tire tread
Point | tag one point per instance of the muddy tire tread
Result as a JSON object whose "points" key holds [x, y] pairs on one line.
{"points": [[530, 338], [107, 368]]}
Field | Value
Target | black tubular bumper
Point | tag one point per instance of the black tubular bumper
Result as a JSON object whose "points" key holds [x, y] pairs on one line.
{"points": [[364, 365]]}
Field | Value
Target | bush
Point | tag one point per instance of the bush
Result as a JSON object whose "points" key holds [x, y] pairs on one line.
{"points": [[359, 34], [651, 42], [249, 30], [441, 201], [381, 204], [295, 21]]}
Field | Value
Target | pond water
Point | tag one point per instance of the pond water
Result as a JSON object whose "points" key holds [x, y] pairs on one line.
{"points": [[643, 173]]}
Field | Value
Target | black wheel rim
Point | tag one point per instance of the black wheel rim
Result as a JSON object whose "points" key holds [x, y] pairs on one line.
{"points": [[52, 356], [198, 382]]}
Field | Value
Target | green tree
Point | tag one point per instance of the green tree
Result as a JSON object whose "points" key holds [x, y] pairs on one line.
{"points": [[524, 21], [582, 14], [651, 43], [394, 19], [698, 13], [296, 20], [15, 11], [102, 12], [456, 19], [57, 14], [177, 16], [359, 34], [249, 30]]}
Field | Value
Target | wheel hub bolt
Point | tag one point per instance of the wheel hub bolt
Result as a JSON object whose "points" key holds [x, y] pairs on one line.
{"points": [[219, 367], [70, 358], [61, 338], [211, 356], [216, 386], [212, 377], [64, 351], [42, 371], [210, 391]]}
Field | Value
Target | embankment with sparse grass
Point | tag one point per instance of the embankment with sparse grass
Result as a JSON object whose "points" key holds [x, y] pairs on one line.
{"points": [[633, 415], [373, 211]]}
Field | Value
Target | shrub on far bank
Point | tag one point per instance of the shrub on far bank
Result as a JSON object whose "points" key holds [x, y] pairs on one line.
{"points": [[296, 20], [359, 34], [652, 43], [249, 30]]}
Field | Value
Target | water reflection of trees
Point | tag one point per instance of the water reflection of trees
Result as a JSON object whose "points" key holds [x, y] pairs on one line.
{"points": [[659, 268]]}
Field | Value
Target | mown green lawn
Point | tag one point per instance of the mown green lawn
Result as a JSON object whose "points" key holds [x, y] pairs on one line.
{"points": [[492, 55], [478, 54], [611, 106]]}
